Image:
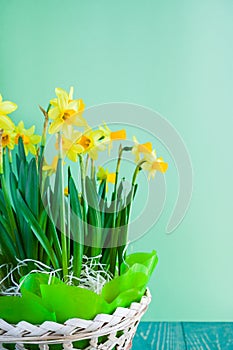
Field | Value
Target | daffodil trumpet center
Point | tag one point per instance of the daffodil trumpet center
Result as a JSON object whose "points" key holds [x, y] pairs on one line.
{"points": [[118, 135], [85, 142], [5, 140], [25, 139], [160, 166], [145, 147], [67, 114]]}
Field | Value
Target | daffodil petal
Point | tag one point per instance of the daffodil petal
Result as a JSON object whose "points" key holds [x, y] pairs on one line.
{"points": [[7, 107], [53, 102], [73, 105], [78, 148], [6, 123], [145, 147], [160, 166], [111, 177], [93, 153], [62, 98], [54, 113], [30, 131], [31, 148], [35, 139], [78, 120], [20, 126], [55, 126], [72, 156], [97, 134], [71, 93], [81, 106], [46, 167]]}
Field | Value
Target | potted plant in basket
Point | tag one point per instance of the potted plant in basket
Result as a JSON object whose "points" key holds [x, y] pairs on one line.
{"points": [[65, 275]]}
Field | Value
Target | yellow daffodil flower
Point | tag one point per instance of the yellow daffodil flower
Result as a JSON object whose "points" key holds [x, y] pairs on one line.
{"points": [[51, 169], [92, 143], [70, 147], [103, 174], [6, 107], [28, 137], [65, 111], [110, 136], [139, 149], [153, 164], [8, 139]]}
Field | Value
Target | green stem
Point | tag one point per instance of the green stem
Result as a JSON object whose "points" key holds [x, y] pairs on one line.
{"points": [[134, 178], [45, 127], [86, 164], [10, 158], [83, 175], [62, 212], [126, 216], [114, 238], [1, 153], [92, 169]]}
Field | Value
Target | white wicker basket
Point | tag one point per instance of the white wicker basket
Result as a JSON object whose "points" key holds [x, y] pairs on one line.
{"points": [[117, 330]]}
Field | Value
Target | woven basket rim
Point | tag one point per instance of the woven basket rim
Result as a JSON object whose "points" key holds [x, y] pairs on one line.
{"points": [[74, 329]]}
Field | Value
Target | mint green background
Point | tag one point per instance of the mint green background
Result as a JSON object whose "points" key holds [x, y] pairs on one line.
{"points": [[174, 57]]}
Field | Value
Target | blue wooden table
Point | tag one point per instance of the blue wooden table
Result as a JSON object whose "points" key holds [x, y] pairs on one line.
{"points": [[184, 336]]}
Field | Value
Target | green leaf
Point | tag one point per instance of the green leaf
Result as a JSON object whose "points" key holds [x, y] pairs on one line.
{"points": [[7, 245], [25, 238], [102, 190], [54, 233], [9, 208], [21, 150], [17, 159], [94, 217], [2, 204], [32, 187], [74, 198], [91, 193], [23, 174], [76, 227], [56, 196], [40, 235]]}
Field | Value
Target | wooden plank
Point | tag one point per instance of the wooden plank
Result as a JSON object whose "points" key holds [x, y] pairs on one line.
{"points": [[159, 336], [208, 335]]}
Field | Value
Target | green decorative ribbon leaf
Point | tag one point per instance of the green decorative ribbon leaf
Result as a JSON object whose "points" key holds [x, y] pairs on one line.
{"points": [[149, 260], [32, 282], [27, 308], [73, 302], [131, 285]]}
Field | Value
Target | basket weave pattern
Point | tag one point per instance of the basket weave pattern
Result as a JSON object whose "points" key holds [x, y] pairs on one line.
{"points": [[123, 320]]}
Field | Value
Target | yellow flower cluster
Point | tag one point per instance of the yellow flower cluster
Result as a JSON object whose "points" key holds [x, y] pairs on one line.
{"points": [[64, 114], [146, 156], [12, 133]]}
